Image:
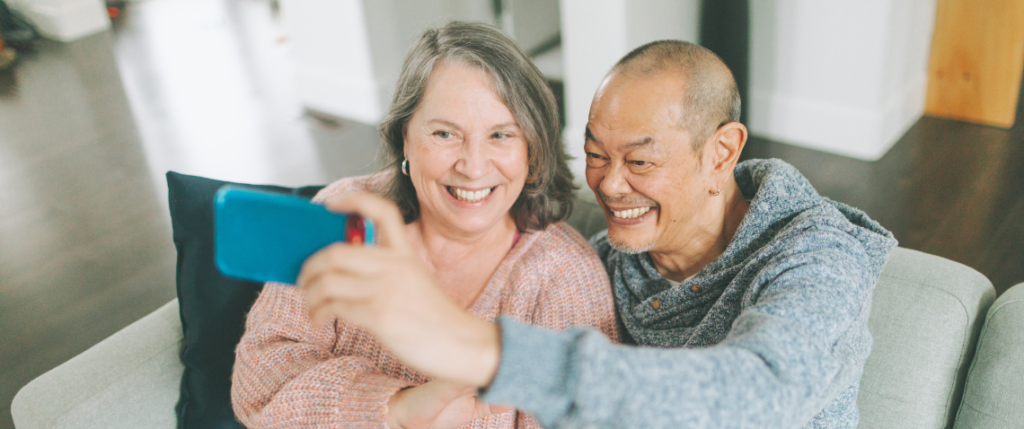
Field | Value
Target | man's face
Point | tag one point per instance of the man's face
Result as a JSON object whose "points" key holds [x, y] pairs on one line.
{"points": [[640, 164]]}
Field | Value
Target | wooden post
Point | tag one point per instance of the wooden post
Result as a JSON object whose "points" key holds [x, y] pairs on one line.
{"points": [[976, 61]]}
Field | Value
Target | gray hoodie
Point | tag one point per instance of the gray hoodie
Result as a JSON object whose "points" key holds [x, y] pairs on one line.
{"points": [[775, 336]]}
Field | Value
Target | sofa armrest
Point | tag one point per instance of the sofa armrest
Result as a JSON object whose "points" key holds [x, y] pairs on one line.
{"points": [[926, 315], [994, 395], [129, 380]]}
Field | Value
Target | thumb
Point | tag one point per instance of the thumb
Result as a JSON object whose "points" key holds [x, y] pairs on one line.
{"points": [[385, 215]]}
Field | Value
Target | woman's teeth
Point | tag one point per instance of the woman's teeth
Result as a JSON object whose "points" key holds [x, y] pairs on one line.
{"points": [[631, 213], [470, 196]]}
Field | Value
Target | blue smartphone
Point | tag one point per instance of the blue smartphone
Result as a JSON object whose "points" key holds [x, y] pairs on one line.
{"points": [[266, 237]]}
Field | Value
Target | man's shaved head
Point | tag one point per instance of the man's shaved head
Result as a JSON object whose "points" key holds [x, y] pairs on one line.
{"points": [[711, 98]]}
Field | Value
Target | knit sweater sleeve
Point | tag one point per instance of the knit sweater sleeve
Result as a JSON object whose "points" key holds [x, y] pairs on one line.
{"points": [[287, 374], [774, 369], [573, 289]]}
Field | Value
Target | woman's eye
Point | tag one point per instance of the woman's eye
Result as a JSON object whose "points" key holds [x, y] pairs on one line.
{"points": [[498, 136], [443, 134], [640, 163]]}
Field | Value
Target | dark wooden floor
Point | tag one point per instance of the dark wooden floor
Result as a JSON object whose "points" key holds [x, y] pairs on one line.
{"points": [[88, 129]]}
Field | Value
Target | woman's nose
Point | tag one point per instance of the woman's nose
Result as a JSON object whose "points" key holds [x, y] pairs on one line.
{"points": [[474, 159]]}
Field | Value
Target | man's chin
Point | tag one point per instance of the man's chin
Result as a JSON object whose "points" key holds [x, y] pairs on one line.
{"points": [[629, 247]]}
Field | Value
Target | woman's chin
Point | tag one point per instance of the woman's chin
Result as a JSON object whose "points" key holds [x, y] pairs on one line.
{"points": [[475, 218]]}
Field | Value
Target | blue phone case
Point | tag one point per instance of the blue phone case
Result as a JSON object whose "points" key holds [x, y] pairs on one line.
{"points": [[263, 237]]}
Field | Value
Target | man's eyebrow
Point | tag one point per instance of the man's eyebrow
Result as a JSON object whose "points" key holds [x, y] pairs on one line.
{"points": [[645, 141]]}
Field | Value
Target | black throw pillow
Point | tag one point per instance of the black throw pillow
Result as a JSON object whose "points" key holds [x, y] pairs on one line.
{"points": [[213, 307]]}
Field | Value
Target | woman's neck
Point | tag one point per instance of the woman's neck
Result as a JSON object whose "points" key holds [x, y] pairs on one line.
{"points": [[462, 262]]}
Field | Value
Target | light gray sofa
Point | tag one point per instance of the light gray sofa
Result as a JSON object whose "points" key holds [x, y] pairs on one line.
{"points": [[928, 368]]}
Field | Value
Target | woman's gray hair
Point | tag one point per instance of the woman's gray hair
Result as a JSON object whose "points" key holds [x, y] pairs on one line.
{"points": [[547, 195]]}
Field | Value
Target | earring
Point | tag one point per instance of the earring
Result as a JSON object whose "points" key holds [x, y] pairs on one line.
{"points": [[405, 167], [715, 194]]}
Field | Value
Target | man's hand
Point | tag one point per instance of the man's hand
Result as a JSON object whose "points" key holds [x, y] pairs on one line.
{"points": [[386, 290], [437, 404]]}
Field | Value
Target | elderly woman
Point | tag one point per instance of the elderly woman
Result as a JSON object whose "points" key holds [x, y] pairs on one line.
{"points": [[480, 175]]}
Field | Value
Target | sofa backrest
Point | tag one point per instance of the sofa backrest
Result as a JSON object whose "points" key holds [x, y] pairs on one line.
{"points": [[587, 217], [925, 324]]}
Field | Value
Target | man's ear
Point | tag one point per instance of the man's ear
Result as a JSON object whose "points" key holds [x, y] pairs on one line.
{"points": [[726, 145]]}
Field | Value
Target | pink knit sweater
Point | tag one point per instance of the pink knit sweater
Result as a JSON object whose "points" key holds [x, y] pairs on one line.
{"points": [[287, 374]]}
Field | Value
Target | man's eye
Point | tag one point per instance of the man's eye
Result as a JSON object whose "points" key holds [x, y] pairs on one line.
{"points": [[499, 135], [596, 161], [640, 163], [443, 134]]}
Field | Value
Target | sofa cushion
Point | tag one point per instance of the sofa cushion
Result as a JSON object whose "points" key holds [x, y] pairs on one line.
{"points": [[924, 322], [129, 380], [213, 306], [994, 395]]}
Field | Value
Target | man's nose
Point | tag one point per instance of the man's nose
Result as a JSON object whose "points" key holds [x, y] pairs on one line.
{"points": [[614, 183]]}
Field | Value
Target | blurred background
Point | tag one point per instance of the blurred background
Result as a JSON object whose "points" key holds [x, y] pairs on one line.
{"points": [[906, 109]]}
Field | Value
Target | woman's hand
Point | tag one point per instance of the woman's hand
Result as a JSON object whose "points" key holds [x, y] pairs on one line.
{"points": [[386, 290], [437, 404]]}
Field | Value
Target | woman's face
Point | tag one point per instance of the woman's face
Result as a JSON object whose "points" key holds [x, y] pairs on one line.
{"points": [[467, 155]]}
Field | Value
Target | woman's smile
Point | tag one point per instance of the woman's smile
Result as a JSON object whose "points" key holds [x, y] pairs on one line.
{"points": [[469, 195]]}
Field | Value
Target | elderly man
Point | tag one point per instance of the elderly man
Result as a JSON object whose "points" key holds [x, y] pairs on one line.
{"points": [[747, 293]]}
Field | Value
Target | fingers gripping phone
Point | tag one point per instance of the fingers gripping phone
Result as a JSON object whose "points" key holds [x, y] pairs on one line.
{"points": [[262, 236]]}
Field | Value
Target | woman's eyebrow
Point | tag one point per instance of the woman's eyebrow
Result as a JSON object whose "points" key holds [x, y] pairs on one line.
{"points": [[449, 124], [505, 125]]}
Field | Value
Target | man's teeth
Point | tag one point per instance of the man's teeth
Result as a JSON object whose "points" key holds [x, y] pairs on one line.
{"points": [[631, 213], [471, 196]]}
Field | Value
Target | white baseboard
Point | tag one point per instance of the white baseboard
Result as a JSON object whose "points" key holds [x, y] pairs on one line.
{"points": [[65, 21], [861, 133], [343, 96]]}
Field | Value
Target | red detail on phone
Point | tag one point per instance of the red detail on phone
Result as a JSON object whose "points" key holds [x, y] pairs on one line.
{"points": [[355, 233]]}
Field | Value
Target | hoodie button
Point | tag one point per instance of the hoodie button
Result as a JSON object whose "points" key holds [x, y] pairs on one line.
{"points": [[656, 304], [695, 288]]}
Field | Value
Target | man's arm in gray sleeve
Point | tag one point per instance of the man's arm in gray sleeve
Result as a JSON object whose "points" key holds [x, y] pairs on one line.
{"points": [[778, 366]]}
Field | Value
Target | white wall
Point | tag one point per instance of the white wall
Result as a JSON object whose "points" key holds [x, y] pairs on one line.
{"points": [[531, 22], [348, 53], [595, 34], [845, 77], [64, 20]]}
